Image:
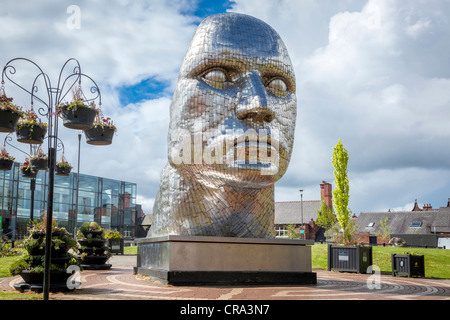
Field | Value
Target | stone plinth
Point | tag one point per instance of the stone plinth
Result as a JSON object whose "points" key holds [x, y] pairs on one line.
{"points": [[189, 260]]}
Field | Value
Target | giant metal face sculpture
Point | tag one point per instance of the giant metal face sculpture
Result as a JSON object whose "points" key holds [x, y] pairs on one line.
{"points": [[231, 132]]}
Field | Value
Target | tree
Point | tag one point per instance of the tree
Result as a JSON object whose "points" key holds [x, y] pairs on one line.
{"points": [[326, 218], [384, 232], [292, 234], [341, 194]]}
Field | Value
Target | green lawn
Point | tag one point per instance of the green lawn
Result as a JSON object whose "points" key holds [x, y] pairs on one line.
{"points": [[437, 261], [5, 262], [20, 296], [130, 250]]}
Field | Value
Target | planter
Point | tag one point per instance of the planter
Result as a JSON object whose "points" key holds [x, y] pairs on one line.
{"points": [[39, 164], [408, 265], [31, 267], [62, 171], [99, 135], [349, 258], [55, 253], [94, 260], [91, 251], [6, 164], [59, 261], [8, 120], [34, 281], [92, 243], [93, 234], [82, 118], [94, 257], [115, 246], [32, 134], [37, 251], [28, 172], [40, 234]]}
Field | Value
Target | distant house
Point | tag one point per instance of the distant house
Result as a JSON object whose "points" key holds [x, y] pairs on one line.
{"points": [[290, 213], [418, 227]]}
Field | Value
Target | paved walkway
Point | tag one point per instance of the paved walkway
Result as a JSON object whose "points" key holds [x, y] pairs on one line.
{"points": [[119, 283]]}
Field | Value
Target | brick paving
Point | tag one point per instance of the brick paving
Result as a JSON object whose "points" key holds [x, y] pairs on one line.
{"points": [[119, 283]]}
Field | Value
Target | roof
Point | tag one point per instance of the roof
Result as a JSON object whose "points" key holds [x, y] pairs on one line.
{"points": [[406, 222], [290, 212], [146, 220]]}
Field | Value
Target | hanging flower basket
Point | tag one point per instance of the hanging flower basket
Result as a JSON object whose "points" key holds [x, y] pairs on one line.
{"points": [[39, 164], [6, 165], [9, 113], [78, 115], [63, 168], [6, 161], [27, 170], [39, 161], [30, 129], [101, 133], [8, 120]]}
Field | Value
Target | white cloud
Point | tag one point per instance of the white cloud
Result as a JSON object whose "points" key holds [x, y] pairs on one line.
{"points": [[378, 78], [118, 43], [374, 73]]}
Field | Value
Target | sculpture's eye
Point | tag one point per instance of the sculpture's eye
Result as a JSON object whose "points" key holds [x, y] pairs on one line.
{"points": [[277, 87], [215, 78]]}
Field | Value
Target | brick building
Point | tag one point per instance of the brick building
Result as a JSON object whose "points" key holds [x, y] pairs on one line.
{"points": [[418, 226], [290, 213]]}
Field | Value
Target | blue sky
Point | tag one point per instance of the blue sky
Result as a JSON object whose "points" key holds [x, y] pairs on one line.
{"points": [[208, 7], [152, 88]]}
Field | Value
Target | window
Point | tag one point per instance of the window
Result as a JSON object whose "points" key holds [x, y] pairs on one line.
{"points": [[415, 224], [281, 232], [370, 225]]}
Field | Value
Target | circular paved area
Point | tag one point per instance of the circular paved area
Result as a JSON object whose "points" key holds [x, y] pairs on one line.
{"points": [[119, 283]]}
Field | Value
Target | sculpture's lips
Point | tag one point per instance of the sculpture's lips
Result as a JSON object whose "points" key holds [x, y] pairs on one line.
{"points": [[254, 149]]}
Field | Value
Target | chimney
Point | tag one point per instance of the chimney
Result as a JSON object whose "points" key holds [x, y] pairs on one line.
{"points": [[427, 207], [326, 194], [416, 207], [448, 203]]}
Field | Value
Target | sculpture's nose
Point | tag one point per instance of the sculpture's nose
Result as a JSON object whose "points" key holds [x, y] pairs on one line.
{"points": [[252, 103]]}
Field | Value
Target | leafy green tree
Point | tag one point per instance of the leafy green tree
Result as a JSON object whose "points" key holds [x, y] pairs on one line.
{"points": [[292, 234], [341, 194], [384, 232], [326, 219], [325, 216]]}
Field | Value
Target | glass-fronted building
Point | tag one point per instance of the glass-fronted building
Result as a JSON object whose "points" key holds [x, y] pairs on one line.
{"points": [[111, 203]]}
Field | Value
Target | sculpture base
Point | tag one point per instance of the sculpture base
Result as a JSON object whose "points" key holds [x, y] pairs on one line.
{"points": [[189, 260]]}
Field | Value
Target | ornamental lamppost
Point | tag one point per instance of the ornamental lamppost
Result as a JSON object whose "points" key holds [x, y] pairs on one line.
{"points": [[301, 203], [34, 165], [80, 114]]}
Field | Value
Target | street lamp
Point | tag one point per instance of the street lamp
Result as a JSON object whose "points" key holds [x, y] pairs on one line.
{"points": [[55, 96], [301, 203], [78, 180], [33, 176]]}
